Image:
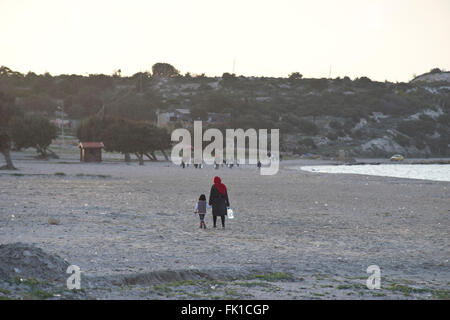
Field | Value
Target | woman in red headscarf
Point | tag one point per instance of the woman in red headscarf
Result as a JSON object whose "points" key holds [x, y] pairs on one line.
{"points": [[218, 200]]}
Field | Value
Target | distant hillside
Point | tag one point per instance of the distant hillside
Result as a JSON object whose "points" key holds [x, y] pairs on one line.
{"points": [[315, 116], [435, 75]]}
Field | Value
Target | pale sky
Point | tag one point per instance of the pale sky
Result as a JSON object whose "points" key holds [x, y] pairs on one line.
{"points": [[382, 39]]}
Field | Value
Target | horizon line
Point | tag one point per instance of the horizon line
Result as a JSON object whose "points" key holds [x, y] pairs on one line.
{"points": [[194, 75]]}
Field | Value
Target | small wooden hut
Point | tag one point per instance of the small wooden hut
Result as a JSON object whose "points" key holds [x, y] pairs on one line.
{"points": [[91, 151]]}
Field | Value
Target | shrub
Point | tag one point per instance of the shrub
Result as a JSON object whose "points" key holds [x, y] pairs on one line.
{"points": [[417, 128], [358, 134], [402, 140], [335, 124], [308, 143], [444, 119], [54, 221], [332, 136], [435, 70], [308, 127], [420, 144]]}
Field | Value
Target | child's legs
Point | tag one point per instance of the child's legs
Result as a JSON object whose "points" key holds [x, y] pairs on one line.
{"points": [[202, 218]]}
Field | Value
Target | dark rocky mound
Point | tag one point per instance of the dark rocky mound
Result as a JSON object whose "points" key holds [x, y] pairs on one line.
{"points": [[28, 261]]}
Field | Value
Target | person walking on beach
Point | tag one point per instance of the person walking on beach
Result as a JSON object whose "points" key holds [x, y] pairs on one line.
{"points": [[218, 199], [200, 208]]}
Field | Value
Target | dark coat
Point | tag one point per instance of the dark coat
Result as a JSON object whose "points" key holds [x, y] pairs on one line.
{"points": [[218, 202]]}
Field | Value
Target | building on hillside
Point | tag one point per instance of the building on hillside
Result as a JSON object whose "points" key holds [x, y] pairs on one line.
{"points": [[171, 119], [183, 118], [91, 151], [214, 117]]}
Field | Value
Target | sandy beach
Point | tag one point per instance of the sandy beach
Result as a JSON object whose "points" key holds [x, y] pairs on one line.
{"points": [[296, 235]]}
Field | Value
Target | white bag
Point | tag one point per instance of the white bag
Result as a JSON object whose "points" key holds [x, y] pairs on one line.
{"points": [[230, 213]]}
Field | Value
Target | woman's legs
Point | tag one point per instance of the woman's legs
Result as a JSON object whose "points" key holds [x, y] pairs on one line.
{"points": [[221, 218]]}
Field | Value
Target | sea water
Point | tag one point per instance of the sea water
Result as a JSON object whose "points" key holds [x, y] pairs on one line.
{"points": [[435, 172]]}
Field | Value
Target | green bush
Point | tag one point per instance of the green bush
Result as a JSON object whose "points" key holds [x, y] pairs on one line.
{"points": [[444, 119], [402, 140], [307, 143], [307, 127], [417, 128], [358, 134], [335, 124], [332, 136]]}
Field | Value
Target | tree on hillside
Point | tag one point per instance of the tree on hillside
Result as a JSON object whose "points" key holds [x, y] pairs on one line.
{"points": [[318, 84], [127, 136], [5, 71], [117, 73], [100, 81], [135, 107], [88, 101], [307, 127], [435, 70], [417, 128], [364, 82], [162, 141], [164, 70], [295, 76], [215, 102], [44, 83], [91, 128], [229, 79], [199, 112], [141, 79], [41, 103], [114, 136], [33, 131], [7, 111]]}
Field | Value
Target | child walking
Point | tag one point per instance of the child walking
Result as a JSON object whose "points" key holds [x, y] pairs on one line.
{"points": [[200, 208]]}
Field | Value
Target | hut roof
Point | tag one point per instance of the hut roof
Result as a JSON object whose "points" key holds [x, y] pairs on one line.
{"points": [[86, 145]]}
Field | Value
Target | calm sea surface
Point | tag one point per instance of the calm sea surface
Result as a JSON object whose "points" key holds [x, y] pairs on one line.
{"points": [[435, 172]]}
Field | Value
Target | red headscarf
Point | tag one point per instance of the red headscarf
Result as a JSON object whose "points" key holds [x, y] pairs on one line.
{"points": [[219, 185]]}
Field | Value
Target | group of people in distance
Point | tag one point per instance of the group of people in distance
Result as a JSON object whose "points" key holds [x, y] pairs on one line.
{"points": [[229, 164], [216, 165]]}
